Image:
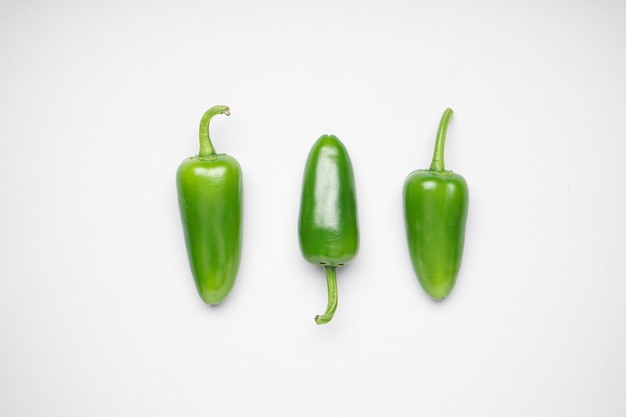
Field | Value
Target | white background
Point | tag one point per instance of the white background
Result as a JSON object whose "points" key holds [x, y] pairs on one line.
{"points": [[100, 102]]}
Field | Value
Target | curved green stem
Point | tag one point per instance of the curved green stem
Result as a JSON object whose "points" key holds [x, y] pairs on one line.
{"points": [[437, 164], [206, 147], [331, 278]]}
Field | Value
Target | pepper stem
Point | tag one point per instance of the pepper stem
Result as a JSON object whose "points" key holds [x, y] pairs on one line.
{"points": [[437, 164], [331, 278], [206, 147]]}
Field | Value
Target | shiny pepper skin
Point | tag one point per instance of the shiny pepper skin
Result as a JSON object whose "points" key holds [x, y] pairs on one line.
{"points": [[328, 222], [210, 197], [435, 209]]}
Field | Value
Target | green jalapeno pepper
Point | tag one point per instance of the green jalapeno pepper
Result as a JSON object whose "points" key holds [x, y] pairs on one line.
{"points": [[210, 197], [435, 211], [328, 225]]}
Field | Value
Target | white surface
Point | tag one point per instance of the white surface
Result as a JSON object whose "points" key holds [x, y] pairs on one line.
{"points": [[99, 103]]}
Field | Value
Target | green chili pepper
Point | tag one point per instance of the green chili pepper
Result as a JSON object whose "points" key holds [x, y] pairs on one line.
{"points": [[328, 223], [210, 198], [435, 210]]}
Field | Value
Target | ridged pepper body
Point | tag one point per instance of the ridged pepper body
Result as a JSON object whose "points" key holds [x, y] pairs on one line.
{"points": [[435, 209], [210, 197], [328, 222]]}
